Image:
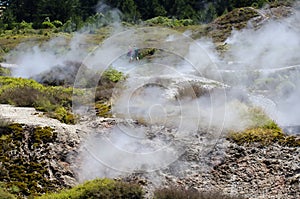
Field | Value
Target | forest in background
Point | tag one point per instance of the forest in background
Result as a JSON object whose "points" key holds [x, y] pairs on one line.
{"points": [[133, 11]]}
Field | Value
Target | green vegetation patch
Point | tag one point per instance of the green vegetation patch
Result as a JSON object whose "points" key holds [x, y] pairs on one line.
{"points": [[56, 101], [109, 81], [103, 109], [22, 170], [113, 75], [165, 21], [263, 131], [99, 188], [238, 18], [5, 194]]}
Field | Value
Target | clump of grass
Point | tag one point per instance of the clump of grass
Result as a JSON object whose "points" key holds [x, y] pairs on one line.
{"points": [[99, 188]]}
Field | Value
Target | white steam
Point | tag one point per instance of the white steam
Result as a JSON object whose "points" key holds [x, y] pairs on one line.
{"points": [[34, 60], [273, 45], [276, 45]]}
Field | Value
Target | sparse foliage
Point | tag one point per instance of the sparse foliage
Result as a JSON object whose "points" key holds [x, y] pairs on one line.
{"points": [[182, 193]]}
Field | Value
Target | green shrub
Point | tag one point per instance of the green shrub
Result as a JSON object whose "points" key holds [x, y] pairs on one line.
{"points": [[25, 25], [56, 101], [25, 96], [264, 135], [262, 130], [147, 52], [107, 84], [165, 21], [48, 25], [63, 115], [57, 23], [69, 26], [99, 188], [113, 75]]}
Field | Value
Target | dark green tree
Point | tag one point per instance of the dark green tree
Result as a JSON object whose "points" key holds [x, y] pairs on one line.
{"points": [[129, 10]]}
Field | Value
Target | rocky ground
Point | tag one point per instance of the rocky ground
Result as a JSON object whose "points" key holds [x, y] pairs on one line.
{"points": [[207, 162]]}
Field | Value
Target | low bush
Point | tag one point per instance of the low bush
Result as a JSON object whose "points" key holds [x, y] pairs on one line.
{"points": [[165, 21], [57, 23], [182, 193], [63, 115], [109, 80], [113, 75], [263, 131], [56, 101], [99, 188], [191, 91], [48, 24], [263, 136], [25, 25], [69, 26]]}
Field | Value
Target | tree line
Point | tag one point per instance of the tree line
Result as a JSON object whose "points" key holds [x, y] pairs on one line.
{"points": [[36, 11]]}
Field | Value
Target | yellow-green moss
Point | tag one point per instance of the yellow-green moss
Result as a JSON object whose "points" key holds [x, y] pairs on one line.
{"points": [[99, 188], [63, 115], [262, 130], [264, 135], [103, 109], [25, 175]]}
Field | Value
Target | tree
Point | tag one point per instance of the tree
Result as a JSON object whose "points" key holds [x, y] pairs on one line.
{"points": [[129, 10], [38, 10]]}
